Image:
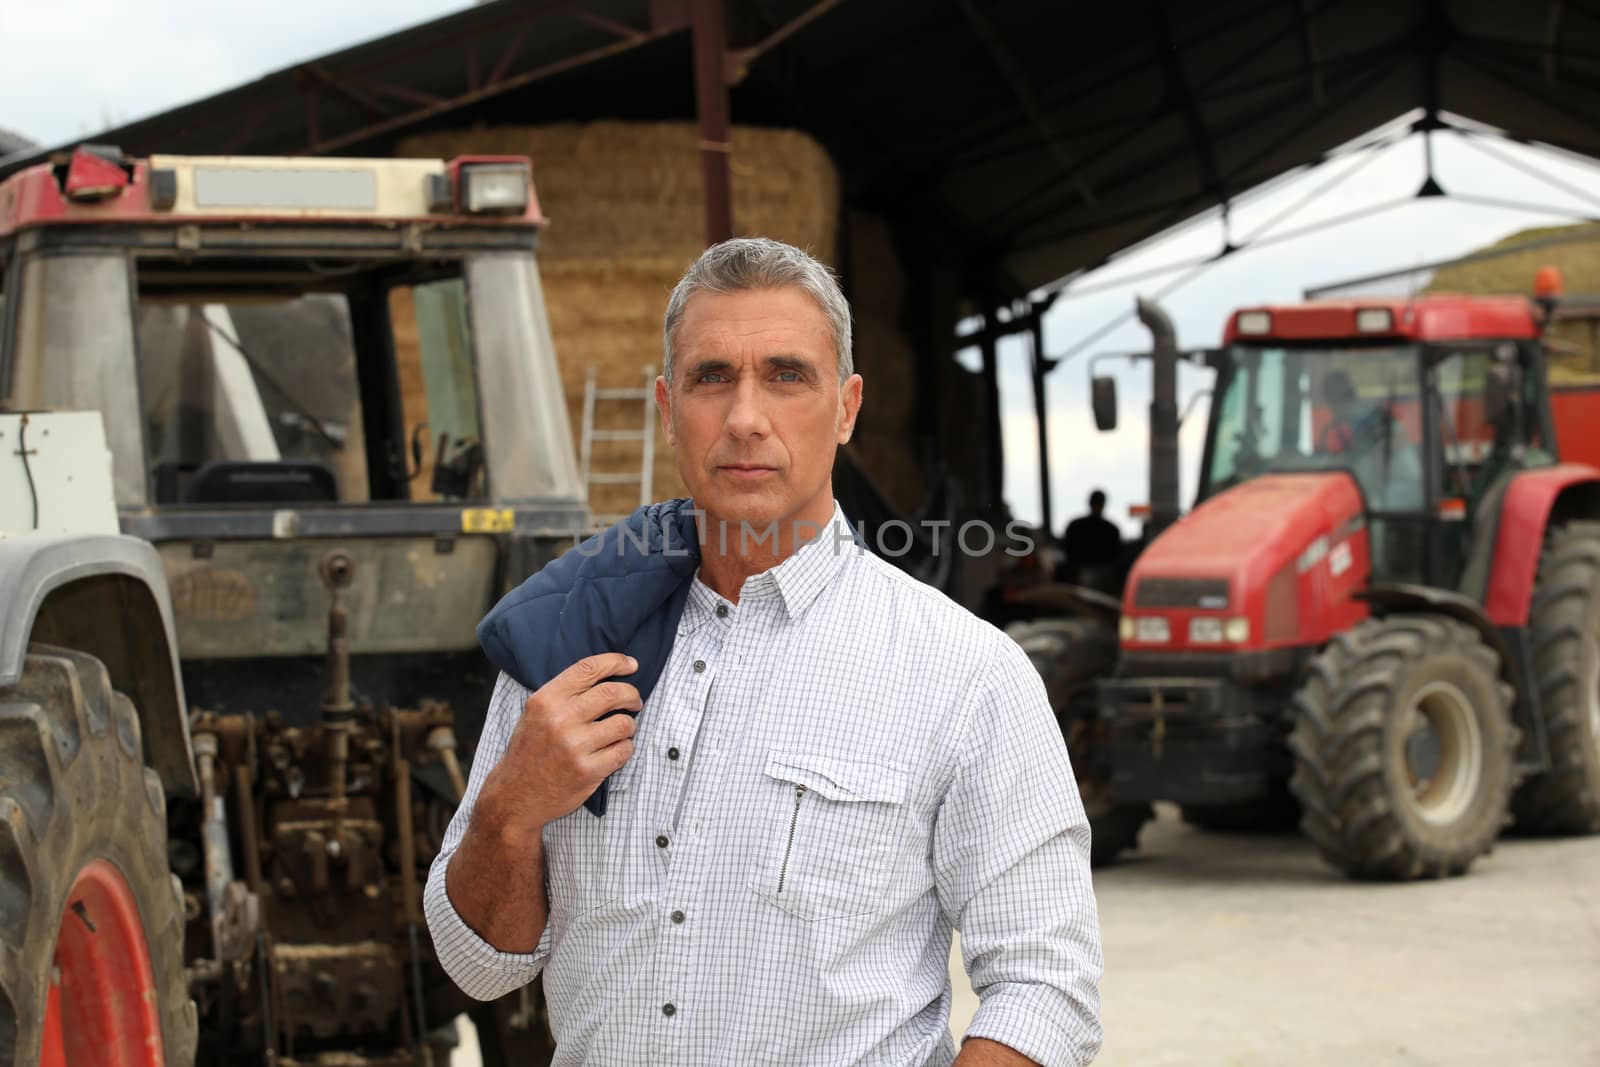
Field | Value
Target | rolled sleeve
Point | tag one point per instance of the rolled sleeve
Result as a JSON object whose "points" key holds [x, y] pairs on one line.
{"points": [[1011, 857], [481, 970]]}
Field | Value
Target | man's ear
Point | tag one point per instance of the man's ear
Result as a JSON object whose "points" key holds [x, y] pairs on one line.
{"points": [[664, 408], [849, 407]]}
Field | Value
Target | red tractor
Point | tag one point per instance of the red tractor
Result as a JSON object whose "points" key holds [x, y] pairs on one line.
{"points": [[1383, 614]]}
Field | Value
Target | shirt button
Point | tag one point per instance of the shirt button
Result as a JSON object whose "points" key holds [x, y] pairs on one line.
{"points": [[699, 665], [668, 1010], [722, 611], [661, 841], [672, 753], [677, 916]]}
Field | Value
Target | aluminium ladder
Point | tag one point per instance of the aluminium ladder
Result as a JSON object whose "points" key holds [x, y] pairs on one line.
{"points": [[646, 436]]}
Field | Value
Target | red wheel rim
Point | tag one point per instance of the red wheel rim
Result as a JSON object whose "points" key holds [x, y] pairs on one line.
{"points": [[101, 1010]]}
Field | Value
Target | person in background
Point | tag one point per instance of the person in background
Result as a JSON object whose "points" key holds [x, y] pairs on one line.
{"points": [[1093, 547]]}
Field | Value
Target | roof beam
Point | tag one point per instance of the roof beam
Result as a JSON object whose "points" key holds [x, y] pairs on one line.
{"points": [[1023, 92], [349, 93], [1179, 91], [1308, 48], [432, 106], [739, 59], [1376, 70], [1044, 192]]}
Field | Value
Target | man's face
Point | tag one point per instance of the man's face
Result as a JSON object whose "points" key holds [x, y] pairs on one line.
{"points": [[755, 407]]}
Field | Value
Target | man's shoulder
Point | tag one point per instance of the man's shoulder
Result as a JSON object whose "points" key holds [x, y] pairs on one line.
{"points": [[918, 603]]}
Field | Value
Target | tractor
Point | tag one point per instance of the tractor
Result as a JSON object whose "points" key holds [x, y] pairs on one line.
{"points": [[1380, 620], [274, 435]]}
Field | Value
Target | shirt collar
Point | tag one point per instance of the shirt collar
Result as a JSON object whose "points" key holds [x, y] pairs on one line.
{"points": [[796, 582]]}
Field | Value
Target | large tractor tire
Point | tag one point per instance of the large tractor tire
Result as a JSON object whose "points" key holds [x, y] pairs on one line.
{"points": [[91, 972], [1565, 625], [1404, 748], [1069, 655]]}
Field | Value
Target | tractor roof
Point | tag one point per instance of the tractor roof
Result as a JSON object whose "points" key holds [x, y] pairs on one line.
{"points": [[99, 186], [1423, 318]]}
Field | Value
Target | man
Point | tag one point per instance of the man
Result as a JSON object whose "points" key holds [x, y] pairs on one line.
{"points": [[835, 767], [1372, 441], [1093, 546]]}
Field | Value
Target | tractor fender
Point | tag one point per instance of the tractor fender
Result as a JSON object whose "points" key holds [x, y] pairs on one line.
{"points": [[1532, 500], [1061, 598], [105, 595], [1400, 598]]}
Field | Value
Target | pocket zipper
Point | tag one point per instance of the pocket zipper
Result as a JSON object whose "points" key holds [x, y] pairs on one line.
{"points": [[794, 818]]}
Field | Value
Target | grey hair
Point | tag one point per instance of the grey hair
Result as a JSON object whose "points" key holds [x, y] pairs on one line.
{"points": [[747, 263]]}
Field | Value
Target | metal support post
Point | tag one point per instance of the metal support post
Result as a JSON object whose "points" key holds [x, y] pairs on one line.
{"points": [[710, 32]]}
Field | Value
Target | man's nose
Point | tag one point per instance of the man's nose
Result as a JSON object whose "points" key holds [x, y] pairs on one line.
{"points": [[748, 415]]}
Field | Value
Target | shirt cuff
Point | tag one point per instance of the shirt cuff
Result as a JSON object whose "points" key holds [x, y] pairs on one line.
{"points": [[481, 970], [1040, 1022]]}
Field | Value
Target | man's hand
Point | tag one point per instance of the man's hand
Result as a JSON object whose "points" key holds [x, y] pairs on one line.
{"points": [[560, 751], [981, 1052]]}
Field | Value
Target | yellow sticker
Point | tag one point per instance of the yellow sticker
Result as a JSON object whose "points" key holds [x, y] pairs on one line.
{"points": [[486, 520]]}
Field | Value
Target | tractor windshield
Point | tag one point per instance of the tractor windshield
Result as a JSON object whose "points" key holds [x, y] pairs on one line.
{"points": [[1311, 409], [273, 376]]}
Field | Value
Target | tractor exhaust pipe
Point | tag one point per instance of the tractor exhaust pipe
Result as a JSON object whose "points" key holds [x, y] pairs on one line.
{"points": [[1163, 418]]}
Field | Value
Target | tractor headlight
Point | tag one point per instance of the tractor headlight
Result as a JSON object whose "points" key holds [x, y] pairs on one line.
{"points": [[494, 187], [1205, 630], [1152, 630], [1236, 631], [1254, 323]]}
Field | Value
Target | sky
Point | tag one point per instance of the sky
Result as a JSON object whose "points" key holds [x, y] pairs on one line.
{"points": [[67, 73]]}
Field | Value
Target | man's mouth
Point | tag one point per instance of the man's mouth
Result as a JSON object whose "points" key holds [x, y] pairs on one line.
{"points": [[747, 470]]}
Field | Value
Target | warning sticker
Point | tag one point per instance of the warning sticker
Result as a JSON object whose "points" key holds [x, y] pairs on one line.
{"points": [[487, 520]]}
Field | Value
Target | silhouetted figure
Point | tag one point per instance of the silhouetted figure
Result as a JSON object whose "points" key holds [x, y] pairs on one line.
{"points": [[1093, 546]]}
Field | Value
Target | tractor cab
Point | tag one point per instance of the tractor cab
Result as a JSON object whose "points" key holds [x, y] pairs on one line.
{"points": [[296, 356], [1427, 404]]}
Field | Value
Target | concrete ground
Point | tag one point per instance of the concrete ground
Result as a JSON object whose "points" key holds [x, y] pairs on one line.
{"points": [[1238, 951]]}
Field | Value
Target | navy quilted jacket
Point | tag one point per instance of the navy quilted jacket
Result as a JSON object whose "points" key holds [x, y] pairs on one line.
{"points": [[622, 590]]}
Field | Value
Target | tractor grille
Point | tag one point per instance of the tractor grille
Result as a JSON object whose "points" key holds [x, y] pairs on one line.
{"points": [[1207, 594]]}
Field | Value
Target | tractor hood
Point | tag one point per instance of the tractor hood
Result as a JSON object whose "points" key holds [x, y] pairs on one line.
{"points": [[1262, 560]]}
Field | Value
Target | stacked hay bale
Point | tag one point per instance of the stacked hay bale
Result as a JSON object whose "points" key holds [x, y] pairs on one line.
{"points": [[884, 442], [1574, 342], [627, 217]]}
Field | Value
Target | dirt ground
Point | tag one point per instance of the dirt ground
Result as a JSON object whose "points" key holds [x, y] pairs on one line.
{"points": [[1239, 951]]}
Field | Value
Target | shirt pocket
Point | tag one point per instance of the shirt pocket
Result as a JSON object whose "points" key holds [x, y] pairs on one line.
{"points": [[829, 832], [586, 857]]}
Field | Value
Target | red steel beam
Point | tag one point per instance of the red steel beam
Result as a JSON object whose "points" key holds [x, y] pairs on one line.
{"points": [[438, 106], [710, 31]]}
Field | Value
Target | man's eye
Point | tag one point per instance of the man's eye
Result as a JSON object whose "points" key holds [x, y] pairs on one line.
{"points": [[713, 378], [789, 376]]}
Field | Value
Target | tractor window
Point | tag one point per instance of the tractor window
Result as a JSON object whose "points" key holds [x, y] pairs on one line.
{"points": [[438, 393], [1305, 409], [250, 401], [312, 382]]}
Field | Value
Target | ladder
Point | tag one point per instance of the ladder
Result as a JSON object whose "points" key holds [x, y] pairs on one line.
{"points": [[646, 436]]}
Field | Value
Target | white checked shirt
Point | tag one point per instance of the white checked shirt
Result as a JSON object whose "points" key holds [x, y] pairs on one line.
{"points": [[829, 776]]}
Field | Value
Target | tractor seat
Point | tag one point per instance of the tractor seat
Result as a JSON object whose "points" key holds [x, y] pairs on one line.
{"points": [[290, 481]]}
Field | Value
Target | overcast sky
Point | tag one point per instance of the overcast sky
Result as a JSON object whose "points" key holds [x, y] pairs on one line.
{"points": [[74, 67]]}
